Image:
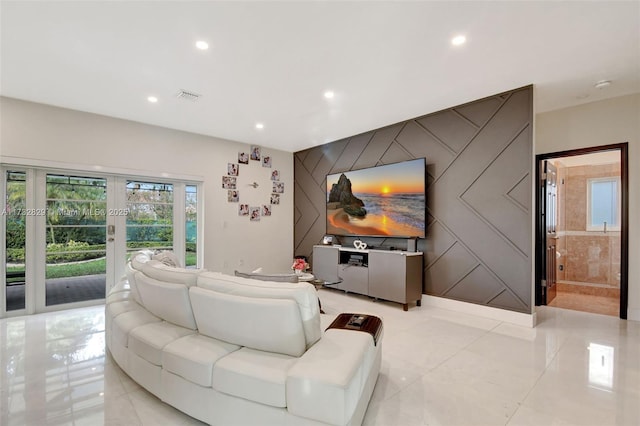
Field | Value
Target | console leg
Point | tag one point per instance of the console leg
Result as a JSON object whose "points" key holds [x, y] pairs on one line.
{"points": [[405, 307], [419, 302]]}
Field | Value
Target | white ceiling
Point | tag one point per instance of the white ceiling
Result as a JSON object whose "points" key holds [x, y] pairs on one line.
{"points": [[271, 62]]}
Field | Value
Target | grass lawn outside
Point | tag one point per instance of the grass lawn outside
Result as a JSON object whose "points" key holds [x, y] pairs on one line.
{"points": [[91, 267]]}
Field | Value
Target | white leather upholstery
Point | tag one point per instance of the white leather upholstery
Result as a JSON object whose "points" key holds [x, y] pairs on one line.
{"points": [[271, 325], [168, 257], [258, 368], [327, 381], [278, 278], [117, 296], [130, 272], [304, 294], [127, 321], [254, 375], [161, 272], [139, 258], [148, 341], [192, 357], [167, 301]]}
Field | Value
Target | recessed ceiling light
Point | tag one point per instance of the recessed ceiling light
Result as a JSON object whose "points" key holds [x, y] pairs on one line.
{"points": [[202, 45], [152, 99], [329, 94], [458, 40], [602, 84], [259, 126]]}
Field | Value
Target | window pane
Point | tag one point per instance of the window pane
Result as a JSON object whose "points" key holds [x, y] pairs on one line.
{"points": [[191, 225], [15, 217], [76, 239], [604, 195], [150, 215]]}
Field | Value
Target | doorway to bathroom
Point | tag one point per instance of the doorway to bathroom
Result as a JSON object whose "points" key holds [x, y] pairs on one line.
{"points": [[582, 230]]}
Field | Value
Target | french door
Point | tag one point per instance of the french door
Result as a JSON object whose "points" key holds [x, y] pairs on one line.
{"points": [[67, 235]]}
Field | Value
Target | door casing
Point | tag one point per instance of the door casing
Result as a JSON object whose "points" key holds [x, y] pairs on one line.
{"points": [[540, 231]]}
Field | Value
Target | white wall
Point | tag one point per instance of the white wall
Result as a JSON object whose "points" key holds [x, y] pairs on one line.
{"points": [[35, 133], [600, 123]]}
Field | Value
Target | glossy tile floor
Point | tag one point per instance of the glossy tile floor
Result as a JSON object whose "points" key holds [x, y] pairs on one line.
{"points": [[439, 368], [604, 305]]}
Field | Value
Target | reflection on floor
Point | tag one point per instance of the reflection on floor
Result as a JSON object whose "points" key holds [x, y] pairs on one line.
{"points": [[61, 290], [438, 367], [597, 300]]}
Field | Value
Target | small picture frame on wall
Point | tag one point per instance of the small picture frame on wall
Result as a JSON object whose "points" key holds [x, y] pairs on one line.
{"points": [[255, 153], [266, 161], [278, 187], [232, 169], [266, 210], [233, 196], [228, 182], [243, 158], [275, 175], [275, 199], [254, 214]]}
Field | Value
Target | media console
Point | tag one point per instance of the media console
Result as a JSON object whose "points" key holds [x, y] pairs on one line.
{"points": [[383, 274]]}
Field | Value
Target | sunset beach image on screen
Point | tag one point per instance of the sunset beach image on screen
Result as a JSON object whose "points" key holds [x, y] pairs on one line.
{"points": [[387, 200]]}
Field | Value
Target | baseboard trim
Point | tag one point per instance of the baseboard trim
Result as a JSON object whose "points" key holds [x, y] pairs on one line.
{"points": [[517, 318], [633, 314]]}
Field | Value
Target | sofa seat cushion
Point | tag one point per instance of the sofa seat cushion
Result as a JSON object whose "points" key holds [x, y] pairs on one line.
{"points": [[122, 285], [117, 308], [148, 341], [193, 357], [254, 375], [118, 296], [127, 321], [271, 325]]}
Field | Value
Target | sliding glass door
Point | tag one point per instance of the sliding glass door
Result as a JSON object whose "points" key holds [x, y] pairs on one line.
{"points": [[76, 239], [67, 235], [15, 220]]}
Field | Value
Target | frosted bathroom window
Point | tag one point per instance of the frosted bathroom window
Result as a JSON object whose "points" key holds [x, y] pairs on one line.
{"points": [[603, 204]]}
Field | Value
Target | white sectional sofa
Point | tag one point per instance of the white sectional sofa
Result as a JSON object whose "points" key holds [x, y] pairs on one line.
{"points": [[231, 350]]}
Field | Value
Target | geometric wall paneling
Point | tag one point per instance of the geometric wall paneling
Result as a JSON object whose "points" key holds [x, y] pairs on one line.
{"points": [[479, 157], [451, 128], [353, 148], [378, 143], [478, 113]]}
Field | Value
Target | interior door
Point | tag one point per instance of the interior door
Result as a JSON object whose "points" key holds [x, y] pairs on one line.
{"points": [[549, 183]]}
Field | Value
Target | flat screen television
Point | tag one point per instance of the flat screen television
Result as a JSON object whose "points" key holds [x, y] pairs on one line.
{"points": [[381, 201]]}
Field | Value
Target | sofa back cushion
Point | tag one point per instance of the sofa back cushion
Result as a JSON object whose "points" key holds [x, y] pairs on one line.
{"points": [[279, 278], [272, 325], [303, 294], [165, 300], [161, 272], [131, 277]]}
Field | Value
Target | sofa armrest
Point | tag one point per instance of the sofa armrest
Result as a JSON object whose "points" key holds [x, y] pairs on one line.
{"points": [[327, 382]]}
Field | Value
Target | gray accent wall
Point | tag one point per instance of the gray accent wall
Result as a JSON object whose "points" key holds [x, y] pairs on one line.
{"points": [[479, 194]]}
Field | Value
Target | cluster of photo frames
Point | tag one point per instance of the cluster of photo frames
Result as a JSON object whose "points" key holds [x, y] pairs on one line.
{"points": [[229, 182]]}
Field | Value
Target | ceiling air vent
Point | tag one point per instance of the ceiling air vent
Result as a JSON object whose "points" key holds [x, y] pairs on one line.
{"points": [[188, 96]]}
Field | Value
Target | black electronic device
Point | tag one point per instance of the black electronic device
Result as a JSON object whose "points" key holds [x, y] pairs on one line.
{"points": [[356, 320]]}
